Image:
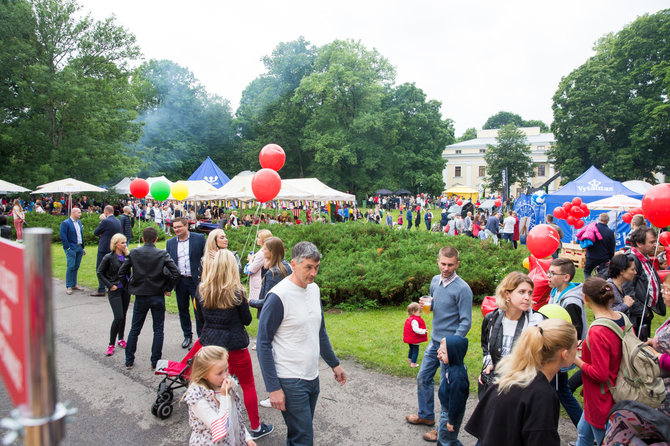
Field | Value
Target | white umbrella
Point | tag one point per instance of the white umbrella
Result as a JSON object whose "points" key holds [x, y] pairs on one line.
{"points": [[619, 203], [67, 186], [7, 187], [123, 186]]}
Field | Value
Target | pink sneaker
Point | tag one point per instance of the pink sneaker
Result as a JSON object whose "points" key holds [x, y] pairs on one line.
{"points": [[414, 365], [121, 343], [110, 350]]}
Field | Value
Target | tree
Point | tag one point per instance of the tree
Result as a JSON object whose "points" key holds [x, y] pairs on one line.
{"points": [[612, 111], [69, 110], [503, 118], [512, 152], [469, 134]]}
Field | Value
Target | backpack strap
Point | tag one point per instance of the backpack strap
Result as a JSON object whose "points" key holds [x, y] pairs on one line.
{"points": [[609, 323]]}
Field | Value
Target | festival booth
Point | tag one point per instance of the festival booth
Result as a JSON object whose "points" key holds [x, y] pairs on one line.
{"points": [[67, 186], [10, 188], [211, 173], [591, 186], [123, 186], [463, 191]]}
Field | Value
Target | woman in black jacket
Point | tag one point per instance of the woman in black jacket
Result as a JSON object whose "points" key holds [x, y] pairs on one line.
{"points": [[119, 292], [225, 313]]}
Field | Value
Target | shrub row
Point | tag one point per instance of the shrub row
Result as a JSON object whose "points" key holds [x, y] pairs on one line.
{"points": [[90, 222], [367, 265]]}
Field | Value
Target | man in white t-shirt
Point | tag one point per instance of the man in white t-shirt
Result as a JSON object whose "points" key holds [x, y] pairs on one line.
{"points": [[508, 227], [291, 337]]}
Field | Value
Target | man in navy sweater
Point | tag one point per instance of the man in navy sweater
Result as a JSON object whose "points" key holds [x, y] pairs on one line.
{"points": [[451, 302], [108, 226]]}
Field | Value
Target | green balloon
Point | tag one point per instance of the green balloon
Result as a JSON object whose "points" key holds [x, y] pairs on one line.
{"points": [[160, 190]]}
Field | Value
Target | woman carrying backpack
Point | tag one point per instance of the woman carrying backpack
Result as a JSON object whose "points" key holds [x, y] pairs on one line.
{"points": [[600, 360]]}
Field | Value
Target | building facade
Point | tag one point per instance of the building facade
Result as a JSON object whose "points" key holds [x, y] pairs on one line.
{"points": [[465, 162]]}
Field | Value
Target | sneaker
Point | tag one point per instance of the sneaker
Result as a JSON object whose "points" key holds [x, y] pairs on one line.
{"points": [[121, 343], [68, 291], [77, 288], [110, 350], [414, 365], [266, 403], [262, 431]]}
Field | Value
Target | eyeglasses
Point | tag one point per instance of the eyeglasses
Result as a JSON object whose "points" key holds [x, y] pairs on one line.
{"points": [[552, 274]]}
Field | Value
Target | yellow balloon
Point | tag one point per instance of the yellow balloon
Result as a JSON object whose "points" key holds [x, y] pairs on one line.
{"points": [[179, 191], [526, 263]]}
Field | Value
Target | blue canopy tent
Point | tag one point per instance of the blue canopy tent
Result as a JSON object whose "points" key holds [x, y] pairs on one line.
{"points": [[592, 185], [211, 173]]}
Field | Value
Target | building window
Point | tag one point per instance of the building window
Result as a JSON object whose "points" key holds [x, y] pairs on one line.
{"points": [[458, 151], [482, 150], [541, 170], [482, 171], [457, 171], [540, 148]]}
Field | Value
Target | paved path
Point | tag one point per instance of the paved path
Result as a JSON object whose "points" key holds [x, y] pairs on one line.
{"points": [[114, 403]]}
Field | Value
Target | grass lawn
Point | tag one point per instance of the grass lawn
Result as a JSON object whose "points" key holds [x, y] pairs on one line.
{"points": [[372, 337]]}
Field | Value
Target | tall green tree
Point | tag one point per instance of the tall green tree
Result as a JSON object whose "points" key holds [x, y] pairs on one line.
{"points": [[503, 118], [612, 111], [469, 134], [69, 110], [512, 152]]}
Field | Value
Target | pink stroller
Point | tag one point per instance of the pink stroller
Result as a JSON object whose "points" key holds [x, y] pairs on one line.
{"points": [[176, 375]]}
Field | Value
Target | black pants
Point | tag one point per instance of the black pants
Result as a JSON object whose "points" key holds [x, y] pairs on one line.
{"points": [[101, 253], [592, 264], [119, 300], [186, 292], [144, 304]]}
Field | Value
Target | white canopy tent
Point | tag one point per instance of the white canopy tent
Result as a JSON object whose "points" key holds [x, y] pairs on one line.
{"points": [[67, 186], [619, 203], [641, 187], [123, 186], [309, 189], [10, 188]]}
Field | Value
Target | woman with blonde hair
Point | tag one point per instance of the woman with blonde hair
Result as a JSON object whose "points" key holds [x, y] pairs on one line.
{"points": [[224, 311], [254, 269], [522, 408], [216, 241], [502, 327], [119, 293], [19, 218]]}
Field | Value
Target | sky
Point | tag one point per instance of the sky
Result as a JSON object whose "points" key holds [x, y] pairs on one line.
{"points": [[477, 57]]}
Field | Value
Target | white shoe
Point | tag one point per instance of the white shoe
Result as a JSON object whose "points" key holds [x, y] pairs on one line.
{"points": [[265, 403]]}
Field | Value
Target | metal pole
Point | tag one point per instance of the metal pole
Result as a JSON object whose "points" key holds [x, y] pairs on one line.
{"points": [[40, 330]]}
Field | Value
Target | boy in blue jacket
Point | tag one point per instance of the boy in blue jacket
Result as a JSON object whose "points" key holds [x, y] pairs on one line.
{"points": [[454, 389]]}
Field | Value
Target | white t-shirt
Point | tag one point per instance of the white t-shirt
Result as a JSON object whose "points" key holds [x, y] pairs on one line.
{"points": [[509, 327], [508, 224]]}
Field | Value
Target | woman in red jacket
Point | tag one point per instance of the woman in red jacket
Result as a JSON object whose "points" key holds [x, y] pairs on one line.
{"points": [[601, 357]]}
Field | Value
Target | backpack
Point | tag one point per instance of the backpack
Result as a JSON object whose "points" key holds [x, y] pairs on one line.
{"points": [[639, 377]]}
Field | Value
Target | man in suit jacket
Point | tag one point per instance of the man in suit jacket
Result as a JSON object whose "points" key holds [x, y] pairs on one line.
{"points": [[72, 237], [186, 250], [152, 276], [108, 226]]}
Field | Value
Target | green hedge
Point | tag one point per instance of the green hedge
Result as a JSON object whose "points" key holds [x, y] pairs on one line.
{"points": [[90, 222], [366, 265]]}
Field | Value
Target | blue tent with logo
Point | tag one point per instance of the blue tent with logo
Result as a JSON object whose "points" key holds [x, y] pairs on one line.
{"points": [[211, 173], [590, 186]]}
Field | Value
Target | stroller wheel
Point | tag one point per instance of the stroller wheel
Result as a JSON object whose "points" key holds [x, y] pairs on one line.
{"points": [[164, 410], [154, 409], [166, 396]]}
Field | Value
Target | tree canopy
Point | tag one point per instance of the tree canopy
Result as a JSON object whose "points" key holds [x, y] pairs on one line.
{"points": [[612, 111], [503, 118], [512, 152]]}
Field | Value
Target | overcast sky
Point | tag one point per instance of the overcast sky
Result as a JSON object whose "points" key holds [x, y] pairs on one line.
{"points": [[476, 57]]}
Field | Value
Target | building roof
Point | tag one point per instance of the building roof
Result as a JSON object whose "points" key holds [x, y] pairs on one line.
{"points": [[533, 140]]}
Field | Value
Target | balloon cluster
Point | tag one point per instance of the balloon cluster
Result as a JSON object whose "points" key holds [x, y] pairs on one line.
{"points": [[628, 216], [572, 212], [160, 190], [266, 183]]}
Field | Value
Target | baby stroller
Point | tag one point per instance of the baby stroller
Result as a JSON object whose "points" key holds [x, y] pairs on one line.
{"points": [[176, 375], [634, 424]]}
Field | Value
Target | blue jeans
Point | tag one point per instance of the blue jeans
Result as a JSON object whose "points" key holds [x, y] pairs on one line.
{"points": [[587, 434], [185, 291], [568, 401], [413, 354], [508, 236], [73, 256], [444, 437], [424, 380], [144, 304], [300, 398]]}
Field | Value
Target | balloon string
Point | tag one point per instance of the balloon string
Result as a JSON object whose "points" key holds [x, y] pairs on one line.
{"points": [[251, 229]]}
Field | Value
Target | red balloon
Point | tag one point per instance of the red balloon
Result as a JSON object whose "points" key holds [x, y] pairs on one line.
{"points": [[576, 212], [571, 220], [579, 224], [586, 212], [576, 201], [497, 202], [459, 202], [664, 238], [627, 217], [584, 207], [656, 205], [272, 157], [567, 206], [635, 211], [265, 185], [559, 213], [139, 188], [543, 241]]}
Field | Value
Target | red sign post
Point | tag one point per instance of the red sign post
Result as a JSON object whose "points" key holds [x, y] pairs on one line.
{"points": [[13, 366]]}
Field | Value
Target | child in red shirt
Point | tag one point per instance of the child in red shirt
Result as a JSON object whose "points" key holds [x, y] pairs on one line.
{"points": [[414, 332]]}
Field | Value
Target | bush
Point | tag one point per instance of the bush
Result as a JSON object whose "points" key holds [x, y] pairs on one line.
{"points": [[90, 222], [367, 265]]}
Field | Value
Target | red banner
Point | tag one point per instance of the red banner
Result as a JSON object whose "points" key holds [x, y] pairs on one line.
{"points": [[13, 355]]}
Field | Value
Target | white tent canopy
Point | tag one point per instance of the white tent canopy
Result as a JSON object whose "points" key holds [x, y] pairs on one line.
{"points": [[123, 186], [619, 203], [7, 187], [199, 190], [641, 187], [67, 186]]}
